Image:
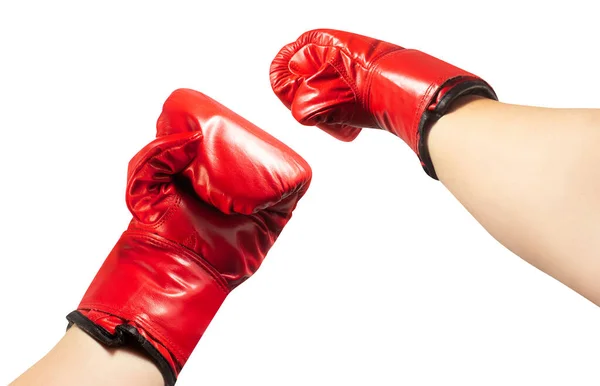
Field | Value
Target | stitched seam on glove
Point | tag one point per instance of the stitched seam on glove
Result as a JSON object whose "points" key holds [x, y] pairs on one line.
{"points": [[348, 53], [164, 242], [339, 68], [145, 164]]}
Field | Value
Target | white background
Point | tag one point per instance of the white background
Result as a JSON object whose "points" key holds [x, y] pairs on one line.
{"points": [[381, 278]]}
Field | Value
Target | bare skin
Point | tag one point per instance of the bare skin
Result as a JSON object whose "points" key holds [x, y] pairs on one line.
{"points": [[78, 359], [531, 177]]}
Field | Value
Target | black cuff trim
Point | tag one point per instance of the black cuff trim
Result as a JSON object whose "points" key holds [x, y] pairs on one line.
{"points": [[471, 87], [124, 336]]}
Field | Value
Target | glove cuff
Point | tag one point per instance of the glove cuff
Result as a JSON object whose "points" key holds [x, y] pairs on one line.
{"points": [[447, 94], [121, 334], [419, 89], [153, 294]]}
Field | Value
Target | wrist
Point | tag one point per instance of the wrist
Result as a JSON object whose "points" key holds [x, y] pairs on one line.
{"points": [[452, 95]]}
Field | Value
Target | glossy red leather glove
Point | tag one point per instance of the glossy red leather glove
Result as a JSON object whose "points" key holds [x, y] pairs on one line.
{"points": [[341, 82], [209, 197]]}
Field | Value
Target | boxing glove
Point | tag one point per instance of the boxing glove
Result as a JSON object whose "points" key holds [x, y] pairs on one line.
{"points": [[209, 197], [342, 82]]}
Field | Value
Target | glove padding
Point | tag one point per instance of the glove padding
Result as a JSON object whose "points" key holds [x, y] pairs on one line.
{"points": [[209, 197], [341, 82]]}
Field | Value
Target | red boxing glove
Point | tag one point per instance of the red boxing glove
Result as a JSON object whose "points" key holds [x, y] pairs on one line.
{"points": [[209, 198], [340, 82]]}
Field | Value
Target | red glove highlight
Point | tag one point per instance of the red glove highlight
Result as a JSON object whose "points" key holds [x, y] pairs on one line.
{"points": [[341, 82], [209, 197]]}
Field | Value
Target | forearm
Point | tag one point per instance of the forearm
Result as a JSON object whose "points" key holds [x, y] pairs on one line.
{"points": [[77, 359], [530, 176]]}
